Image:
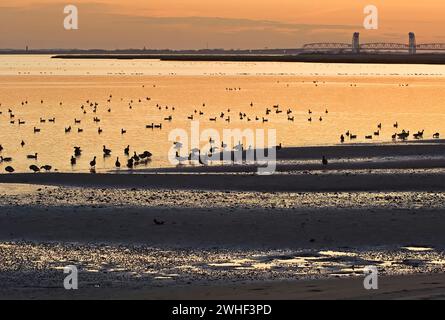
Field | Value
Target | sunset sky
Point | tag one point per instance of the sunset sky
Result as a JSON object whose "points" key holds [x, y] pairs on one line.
{"points": [[182, 24]]}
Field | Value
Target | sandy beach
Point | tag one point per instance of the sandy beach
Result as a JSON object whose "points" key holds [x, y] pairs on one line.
{"points": [[305, 232]]}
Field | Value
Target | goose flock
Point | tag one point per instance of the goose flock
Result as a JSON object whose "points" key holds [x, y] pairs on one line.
{"points": [[91, 114]]}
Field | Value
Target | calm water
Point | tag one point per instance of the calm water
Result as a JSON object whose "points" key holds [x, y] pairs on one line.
{"points": [[358, 98]]}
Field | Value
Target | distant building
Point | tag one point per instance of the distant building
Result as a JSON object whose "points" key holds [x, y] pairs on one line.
{"points": [[412, 43], [356, 42]]}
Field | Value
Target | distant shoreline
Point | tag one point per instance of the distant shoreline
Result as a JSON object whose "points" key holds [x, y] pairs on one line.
{"points": [[434, 59]]}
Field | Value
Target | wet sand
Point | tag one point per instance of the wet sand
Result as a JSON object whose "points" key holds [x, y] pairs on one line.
{"points": [[230, 234], [300, 182]]}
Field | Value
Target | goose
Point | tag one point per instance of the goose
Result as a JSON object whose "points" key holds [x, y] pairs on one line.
{"points": [[106, 151], [77, 151], [22, 143], [130, 163], [9, 169], [435, 136], [77, 121], [99, 130], [169, 118], [118, 164], [324, 161], [158, 223], [352, 136], [67, 130], [145, 155], [127, 150], [150, 126], [32, 156], [202, 161], [36, 130], [1, 148], [419, 135], [93, 162], [279, 147], [123, 131], [6, 159], [396, 125], [53, 120], [342, 138], [290, 118], [42, 120], [403, 136], [377, 133], [46, 167], [21, 122], [136, 157], [34, 168], [179, 158], [73, 160], [368, 137], [79, 130]]}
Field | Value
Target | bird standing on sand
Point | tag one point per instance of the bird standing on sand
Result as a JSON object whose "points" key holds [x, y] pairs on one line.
{"points": [[73, 160], [118, 164], [324, 161], [127, 150]]}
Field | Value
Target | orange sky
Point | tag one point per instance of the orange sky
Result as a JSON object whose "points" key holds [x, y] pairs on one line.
{"points": [[179, 24]]}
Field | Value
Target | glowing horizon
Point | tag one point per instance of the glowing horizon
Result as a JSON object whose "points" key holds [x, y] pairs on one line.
{"points": [[175, 24]]}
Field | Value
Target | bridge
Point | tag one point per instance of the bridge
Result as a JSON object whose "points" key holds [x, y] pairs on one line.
{"points": [[411, 47]]}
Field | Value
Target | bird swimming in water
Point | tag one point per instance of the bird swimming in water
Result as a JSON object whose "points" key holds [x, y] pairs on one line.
{"points": [[107, 152], [34, 168], [93, 162], [9, 169]]}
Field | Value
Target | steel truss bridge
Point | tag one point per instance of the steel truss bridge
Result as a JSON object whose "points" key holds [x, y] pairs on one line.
{"points": [[373, 46]]}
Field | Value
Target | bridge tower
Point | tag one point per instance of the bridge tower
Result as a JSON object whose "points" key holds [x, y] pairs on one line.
{"points": [[356, 42], [412, 43]]}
